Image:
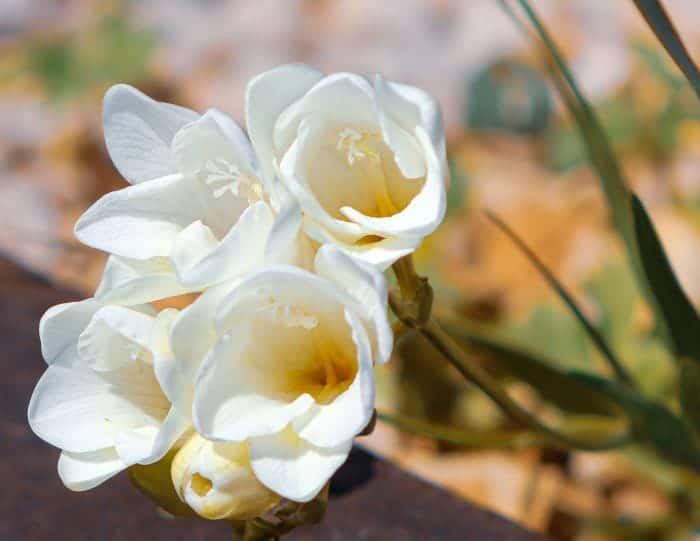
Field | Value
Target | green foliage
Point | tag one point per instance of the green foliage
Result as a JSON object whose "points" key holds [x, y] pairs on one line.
{"points": [[659, 21], [508, 96], [629, 124], [544, 375], [591, 330], [652, 423], [111, 51]]}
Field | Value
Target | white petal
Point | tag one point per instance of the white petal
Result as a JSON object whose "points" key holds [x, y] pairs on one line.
{"points": [[425, 211], [135, 281], [367, 286], [286, 244], [292, 467], [83, 471], [291, 174], [407, 153], [201, 260], [228, 404], [140, 221], [194, 331], [347, 415], [60, 327], [411, 107], [338, 98], [212, 136], [97, 346], [267, 95], [67, 410], [238, 138], [138, 132], [81, 410], [148, 444], [380, 254]]}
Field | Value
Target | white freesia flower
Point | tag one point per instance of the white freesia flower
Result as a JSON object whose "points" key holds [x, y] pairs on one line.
{"points": [[198, 211], [105, 396], [284, 360], [216, 480], [366, 163]]}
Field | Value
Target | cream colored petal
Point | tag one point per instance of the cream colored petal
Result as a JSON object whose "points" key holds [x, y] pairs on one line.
{"points": [[138, 131], [292, 467]]}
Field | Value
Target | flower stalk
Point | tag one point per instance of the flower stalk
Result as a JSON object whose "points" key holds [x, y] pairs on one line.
{"points": [[413, 305]]}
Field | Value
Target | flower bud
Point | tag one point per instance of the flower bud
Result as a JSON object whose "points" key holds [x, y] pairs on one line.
{"points": [[215, 479]]}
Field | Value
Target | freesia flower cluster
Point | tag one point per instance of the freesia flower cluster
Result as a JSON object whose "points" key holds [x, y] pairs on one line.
{"points": [[281, 237]]}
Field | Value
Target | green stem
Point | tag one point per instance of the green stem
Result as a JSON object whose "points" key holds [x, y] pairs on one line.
{"points": [[473, 372], [593, 333], [405, 310]]}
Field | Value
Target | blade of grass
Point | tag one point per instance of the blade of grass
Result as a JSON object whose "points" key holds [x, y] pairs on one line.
{"points": [[621, 200], [678, 311], [593, 333], [552, 383], [656, 16]]}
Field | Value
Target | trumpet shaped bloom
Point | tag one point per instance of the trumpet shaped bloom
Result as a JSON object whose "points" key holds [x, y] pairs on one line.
{"points": [[198, 211], [104, 398], [366, 162], [287, 365], [216, 480]]}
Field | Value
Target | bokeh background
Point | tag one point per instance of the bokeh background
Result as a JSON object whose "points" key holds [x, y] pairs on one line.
{"points": [[511, 149]]}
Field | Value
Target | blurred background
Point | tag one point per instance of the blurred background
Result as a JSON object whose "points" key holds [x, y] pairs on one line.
{"points": [[511, 149]]}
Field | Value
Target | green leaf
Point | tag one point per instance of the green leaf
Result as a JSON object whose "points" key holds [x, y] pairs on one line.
{"points": [[659, 21], [676, 308], [155, 482], [551, 382], [690, 393], [590, 329], [624, 210], [652, 423]]}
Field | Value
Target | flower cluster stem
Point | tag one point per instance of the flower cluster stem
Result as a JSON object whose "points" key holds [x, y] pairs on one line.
{"points": [[406, 306]]}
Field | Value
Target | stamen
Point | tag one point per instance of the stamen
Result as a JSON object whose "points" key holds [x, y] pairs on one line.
{"points": [[290, 315], [358, 145], [224, 176]]}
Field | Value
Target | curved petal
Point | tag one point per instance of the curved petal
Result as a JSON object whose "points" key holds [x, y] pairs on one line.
{"points": [[381, 254], [201, 260], [213, 135], [81, 410], [97, 346], [409, 107], [407, 153], [135, 281], [291, 177], [292, 467], [148, 444], [329, 425], [286, 243], [340, 97], [68, 409], [425, 211], [228, 405], [367, 286], [60, 328], [83, 471], [193, 331], [138, 131], [140, 221], [267, 95]]}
